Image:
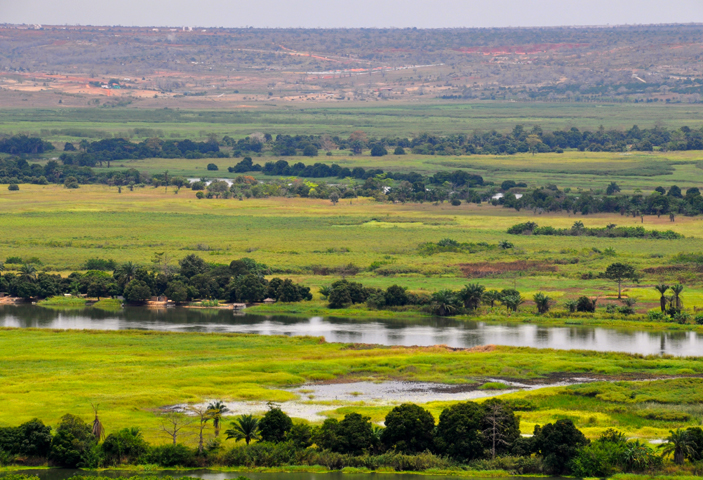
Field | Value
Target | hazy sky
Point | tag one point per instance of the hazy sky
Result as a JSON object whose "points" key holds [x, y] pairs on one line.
{"points": [[350, 13]]}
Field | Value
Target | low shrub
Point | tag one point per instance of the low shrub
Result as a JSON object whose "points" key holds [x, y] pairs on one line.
{"points": [[511, 464], [172, 456], [665, 416]]}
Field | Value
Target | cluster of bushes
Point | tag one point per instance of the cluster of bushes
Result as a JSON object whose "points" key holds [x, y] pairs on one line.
{"points": [[15, 170], [343, 293], [22, 144], [95, 153], [322, 170], [578, 229], [240, 281], [660, 201], [449, 245], [468, 435]]}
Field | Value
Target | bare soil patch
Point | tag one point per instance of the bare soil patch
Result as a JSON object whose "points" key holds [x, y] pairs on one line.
{"points": [[486, 269]]}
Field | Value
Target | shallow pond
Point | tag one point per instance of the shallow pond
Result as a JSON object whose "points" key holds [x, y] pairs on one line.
{"points": [[426, 331]]}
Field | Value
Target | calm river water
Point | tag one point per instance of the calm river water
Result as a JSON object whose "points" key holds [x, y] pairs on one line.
{"points": [[430, 331]]}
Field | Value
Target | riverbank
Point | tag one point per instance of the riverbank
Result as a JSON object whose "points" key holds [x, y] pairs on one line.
{"points": [[139, 471], [495, 315], [137, 375], [555, 318], [293, 473]]}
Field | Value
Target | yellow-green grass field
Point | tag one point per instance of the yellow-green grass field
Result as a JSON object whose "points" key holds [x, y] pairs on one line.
{"points": [[132, 375], [380, 119], [572, 169], [63, 228]]}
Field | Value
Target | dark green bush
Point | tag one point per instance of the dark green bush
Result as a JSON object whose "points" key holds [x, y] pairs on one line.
{"points": [[172, 456]]}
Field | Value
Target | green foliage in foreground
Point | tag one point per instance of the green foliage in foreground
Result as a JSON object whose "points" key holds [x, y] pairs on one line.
{"points": [[19, 476]]}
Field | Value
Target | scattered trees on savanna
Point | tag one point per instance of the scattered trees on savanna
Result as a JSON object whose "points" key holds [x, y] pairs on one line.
{"points": [[244, 280]]}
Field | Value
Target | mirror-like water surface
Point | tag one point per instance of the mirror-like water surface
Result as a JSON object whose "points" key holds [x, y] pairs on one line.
{"points": [[429, 331]]}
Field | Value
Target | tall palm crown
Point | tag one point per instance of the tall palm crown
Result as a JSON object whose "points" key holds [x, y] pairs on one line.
{"points": [[472, 294], [215, 411], [680, 444], [662, 289], [677, 301], [246, 428]]}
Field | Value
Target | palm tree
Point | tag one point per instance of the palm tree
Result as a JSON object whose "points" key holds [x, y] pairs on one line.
{"points": [[216, 410], [662, 288], [571, 305], [677, 301], [512, 302], [490, 297], [28, 271], [376, 432], [471, 295], [246, 428], [542, 301], [445, 302], [127, 271], [680, 444]]}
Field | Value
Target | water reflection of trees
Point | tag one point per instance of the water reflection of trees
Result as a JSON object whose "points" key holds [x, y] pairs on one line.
{"points": [[422, 331]]}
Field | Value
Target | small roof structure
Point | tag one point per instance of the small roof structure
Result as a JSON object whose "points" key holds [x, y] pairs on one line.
{"points": [[269, 301]]}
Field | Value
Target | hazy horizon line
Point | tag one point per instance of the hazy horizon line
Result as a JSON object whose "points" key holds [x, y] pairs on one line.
{"points": [[620, 25]]}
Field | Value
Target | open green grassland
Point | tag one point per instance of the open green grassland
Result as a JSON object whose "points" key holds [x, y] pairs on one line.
{"points": [[391, 118], [64, 228], [572, 169], [48, 373]]}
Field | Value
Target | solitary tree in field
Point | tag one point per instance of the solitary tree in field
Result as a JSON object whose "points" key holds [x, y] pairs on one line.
{"points": [[621, 272], [334, 198], [246, 428], [217, 409], [173, 423], [203, 416], [662, 289]]}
